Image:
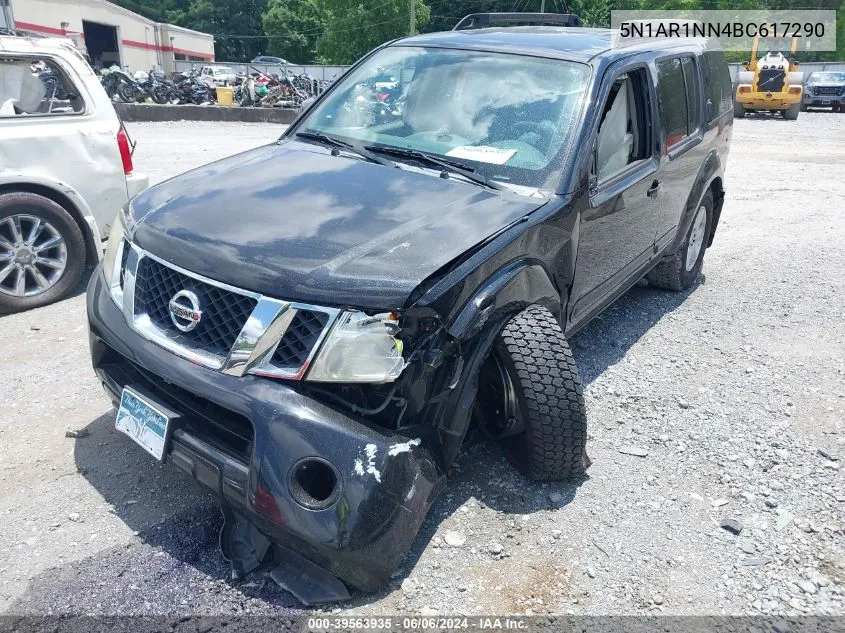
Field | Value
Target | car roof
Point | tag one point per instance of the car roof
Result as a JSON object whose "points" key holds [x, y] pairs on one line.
{"points": [[572, 43], [33, 44]]}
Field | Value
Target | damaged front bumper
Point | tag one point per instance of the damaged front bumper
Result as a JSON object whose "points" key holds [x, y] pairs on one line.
{"points": [[336, 498]]}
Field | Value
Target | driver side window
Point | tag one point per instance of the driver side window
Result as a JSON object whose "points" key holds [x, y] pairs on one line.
{"points": [[623, 131]]}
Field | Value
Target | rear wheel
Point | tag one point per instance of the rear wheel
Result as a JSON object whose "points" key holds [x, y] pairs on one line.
{"points": [[530, 398], [42, 252], [791, 113], [681, 270]]}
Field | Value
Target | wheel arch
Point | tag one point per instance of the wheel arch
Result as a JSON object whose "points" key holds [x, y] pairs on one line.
{"points": [[708, 178], [474, 329], [71, 202]]}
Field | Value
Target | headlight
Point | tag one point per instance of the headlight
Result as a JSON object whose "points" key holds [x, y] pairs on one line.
{"points": [[113, 257], [360, 348]]}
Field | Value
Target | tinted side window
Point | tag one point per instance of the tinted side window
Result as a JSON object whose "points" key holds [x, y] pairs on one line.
{"points": [[691, 83], [718, 88], [672, 95], [36, 86]]}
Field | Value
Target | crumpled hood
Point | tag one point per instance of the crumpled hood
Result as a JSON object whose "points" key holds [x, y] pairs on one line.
{"points": [[294, 222]]}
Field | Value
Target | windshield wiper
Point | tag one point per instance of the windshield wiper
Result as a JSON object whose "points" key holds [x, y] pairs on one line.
{"points": [[447, 165], [337, 143]]}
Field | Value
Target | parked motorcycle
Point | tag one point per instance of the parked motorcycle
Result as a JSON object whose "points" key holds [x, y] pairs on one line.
{"points": [[191, 90], [119, 84]]}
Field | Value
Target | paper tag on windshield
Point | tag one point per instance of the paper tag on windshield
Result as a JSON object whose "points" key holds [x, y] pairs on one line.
{"points": [[482, 154]]}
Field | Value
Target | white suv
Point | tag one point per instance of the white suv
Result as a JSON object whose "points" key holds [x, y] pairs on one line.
{"points": [[65, 169]]}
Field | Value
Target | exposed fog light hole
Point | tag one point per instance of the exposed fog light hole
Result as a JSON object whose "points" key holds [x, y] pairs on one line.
{"points": [[314, 483]]}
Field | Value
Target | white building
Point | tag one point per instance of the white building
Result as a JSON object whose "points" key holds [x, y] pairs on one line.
{"points": [[108, 33]]}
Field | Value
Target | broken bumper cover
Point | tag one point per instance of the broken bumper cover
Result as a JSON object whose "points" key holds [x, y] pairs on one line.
{"points": [[245, 438]]}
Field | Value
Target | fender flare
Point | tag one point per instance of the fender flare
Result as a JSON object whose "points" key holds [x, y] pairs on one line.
{"points": [[709, 171], [505, 293], [65, 196]]}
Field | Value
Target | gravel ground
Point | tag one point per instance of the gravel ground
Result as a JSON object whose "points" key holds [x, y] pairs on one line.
{"points": [[727, 402]]}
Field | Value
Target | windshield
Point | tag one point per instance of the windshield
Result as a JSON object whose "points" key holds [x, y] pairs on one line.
{"points": [[507, 117], [832, 77], [223, 70], [782, 45]]}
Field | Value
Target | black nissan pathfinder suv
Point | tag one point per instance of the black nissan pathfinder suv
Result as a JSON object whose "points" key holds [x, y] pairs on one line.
{"points": [[310, 328]]}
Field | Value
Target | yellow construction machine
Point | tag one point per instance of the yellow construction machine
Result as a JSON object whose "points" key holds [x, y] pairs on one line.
{"points": [[772, 82]]}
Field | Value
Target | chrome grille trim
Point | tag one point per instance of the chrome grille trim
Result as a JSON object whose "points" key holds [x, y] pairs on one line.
{"points": [[256, 343]]}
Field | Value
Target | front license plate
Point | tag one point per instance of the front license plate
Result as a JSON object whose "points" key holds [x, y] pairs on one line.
{"points": [[144, 422], [826, 102]]}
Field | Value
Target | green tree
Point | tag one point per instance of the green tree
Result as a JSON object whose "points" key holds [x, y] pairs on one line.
{"points": [[354, 29], [235, 24], [158, 10], [293, 28]]}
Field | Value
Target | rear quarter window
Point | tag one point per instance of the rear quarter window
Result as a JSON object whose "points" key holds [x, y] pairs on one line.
{"points": [[718, 88], [672, 96], [36, 86]]}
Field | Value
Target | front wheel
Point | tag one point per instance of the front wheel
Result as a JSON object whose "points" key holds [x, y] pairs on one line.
{"points": [[530, 398], [792, 112], [126, 92], [680, 271], [42, 252]]}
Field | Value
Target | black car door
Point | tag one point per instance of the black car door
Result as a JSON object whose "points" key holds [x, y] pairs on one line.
{"points": [[680, 104], [617, 228]]}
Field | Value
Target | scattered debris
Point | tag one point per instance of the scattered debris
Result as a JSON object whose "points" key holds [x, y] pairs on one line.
{"points": [[454, 539], [731, 525], [828, 455], [785, 517], [495, 548], [408, 585], [754, 562], [636, 451], [77, 433]]}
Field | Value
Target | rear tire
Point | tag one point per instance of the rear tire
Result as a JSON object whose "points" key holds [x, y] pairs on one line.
{"points": [[548, 404], [791, 113], [44, 278], [682, 269]]}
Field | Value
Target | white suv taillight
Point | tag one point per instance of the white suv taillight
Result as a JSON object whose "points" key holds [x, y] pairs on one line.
{"points": [[125, 150]]}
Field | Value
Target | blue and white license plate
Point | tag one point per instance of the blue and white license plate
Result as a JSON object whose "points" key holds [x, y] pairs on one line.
{"points": [[143, 421]]}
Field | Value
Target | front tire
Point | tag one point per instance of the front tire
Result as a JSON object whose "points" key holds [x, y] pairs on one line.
{"points": [[538, 410], [791, 113], [42, 252], [681, 270]]}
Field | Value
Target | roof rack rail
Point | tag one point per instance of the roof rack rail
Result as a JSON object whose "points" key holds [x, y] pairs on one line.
{"points": [[483, 20], [18, 33]]}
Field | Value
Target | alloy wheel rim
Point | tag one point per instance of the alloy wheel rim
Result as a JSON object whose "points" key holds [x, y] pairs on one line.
{"points": [[696, 237], [33, 255]]}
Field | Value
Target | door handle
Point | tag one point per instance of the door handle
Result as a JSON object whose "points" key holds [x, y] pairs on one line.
{"points": [[655, 187]]}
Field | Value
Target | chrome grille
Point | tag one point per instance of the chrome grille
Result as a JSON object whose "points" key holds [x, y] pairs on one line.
{"points": [[238, 331], [299, 339], [827, 90], [224, 312]]}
